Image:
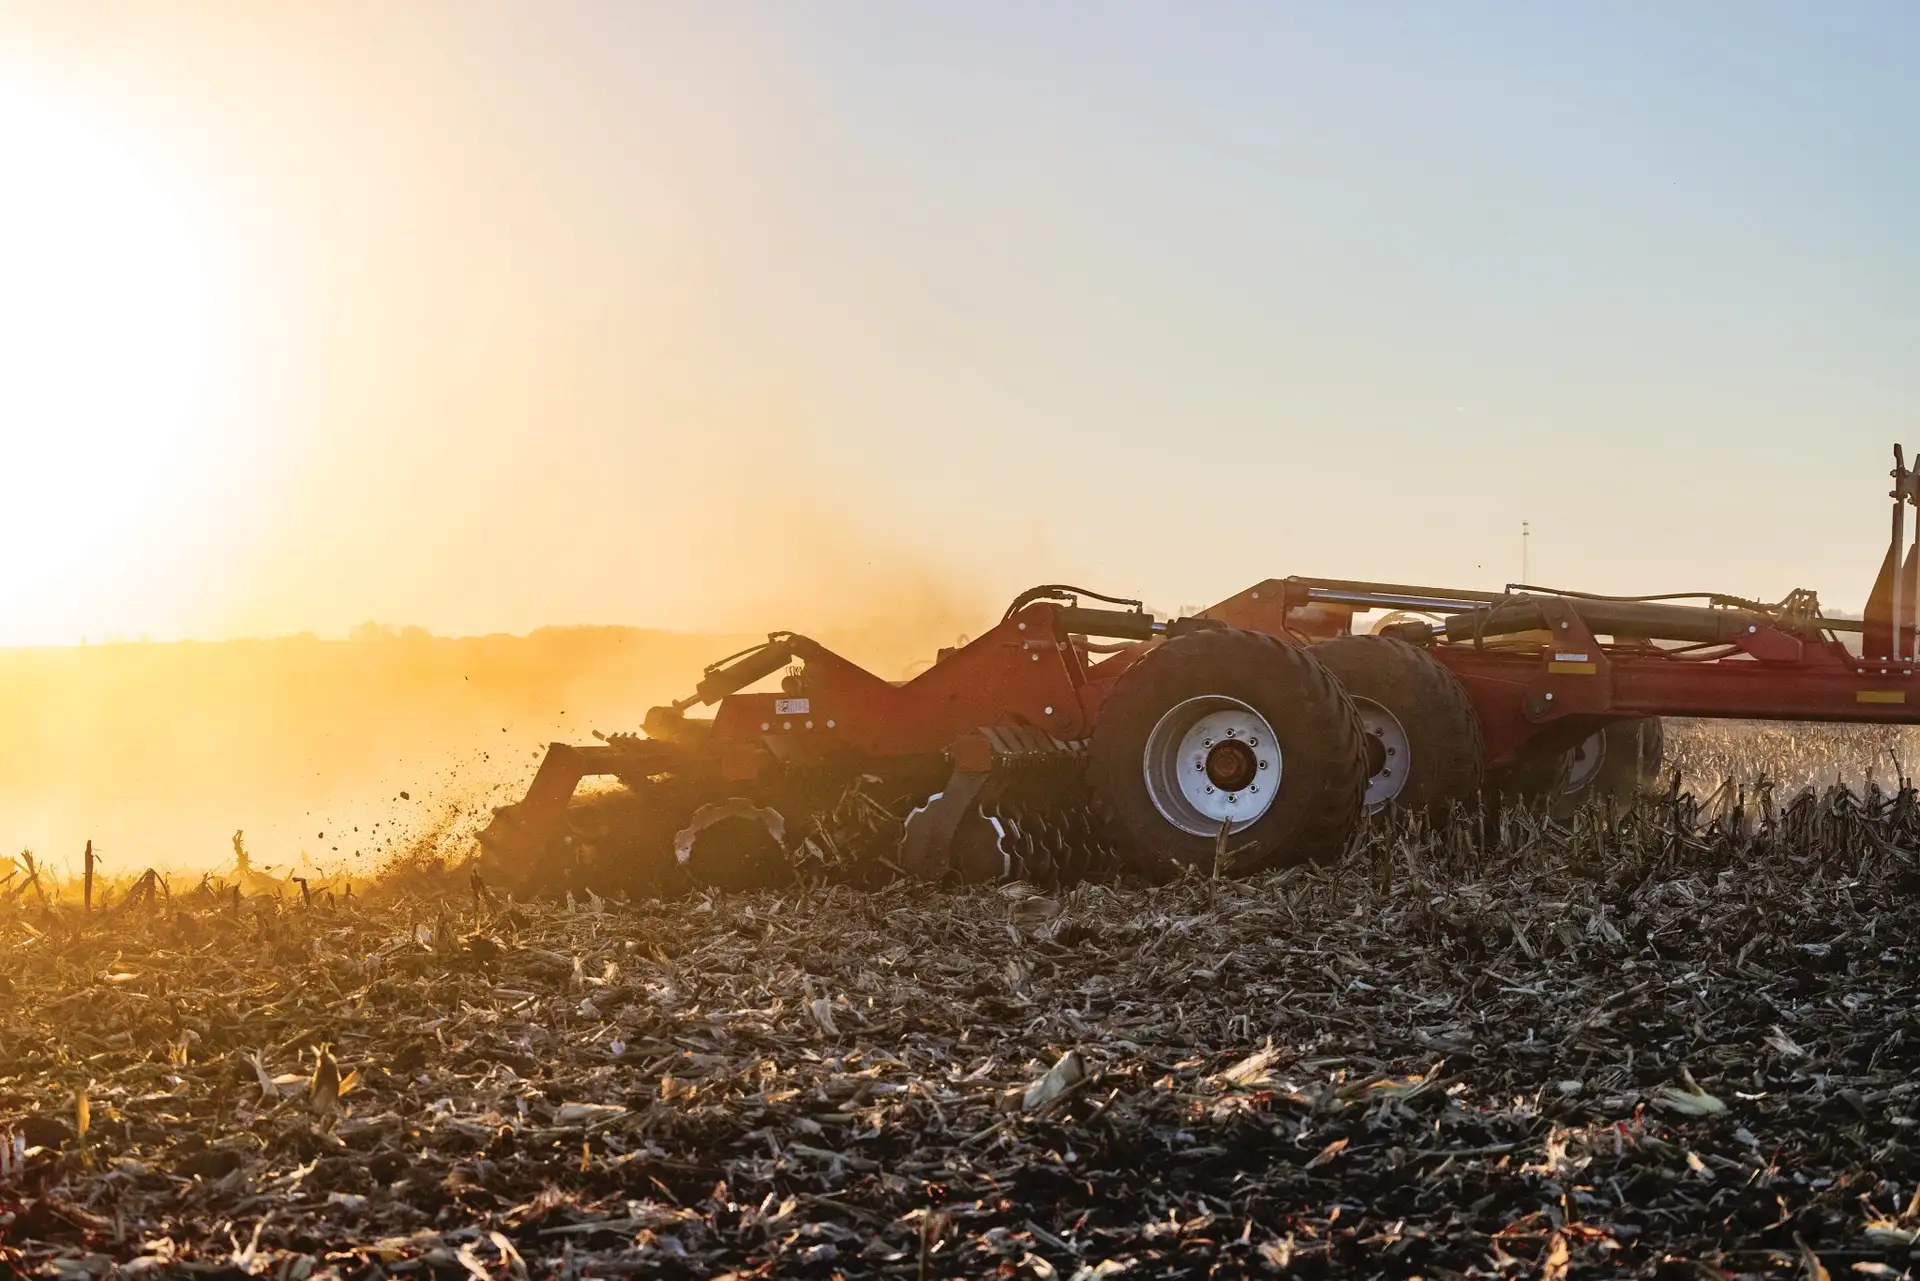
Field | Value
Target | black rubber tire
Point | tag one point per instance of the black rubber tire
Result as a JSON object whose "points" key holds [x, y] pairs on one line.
{"points": [[1316, 810], [1448, 761], [1633, 753]]}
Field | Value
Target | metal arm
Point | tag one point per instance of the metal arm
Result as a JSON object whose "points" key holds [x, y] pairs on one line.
{"points": [[1897, 550]]}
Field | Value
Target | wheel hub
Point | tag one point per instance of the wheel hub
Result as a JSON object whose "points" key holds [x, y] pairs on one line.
{"points": [[1231, 765], [1212, 761], [1389, 756]]}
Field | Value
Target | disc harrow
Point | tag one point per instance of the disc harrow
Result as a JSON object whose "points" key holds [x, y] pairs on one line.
{"points": [[1074, 740]]}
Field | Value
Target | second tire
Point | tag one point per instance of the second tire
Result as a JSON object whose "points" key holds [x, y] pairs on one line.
{"points": [[1422, 735]]}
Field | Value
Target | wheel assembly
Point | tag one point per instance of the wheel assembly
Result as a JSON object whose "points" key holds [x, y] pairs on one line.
{"points": [[1211, 760], [1621, 759], [1227, 737], [1422, 736]]}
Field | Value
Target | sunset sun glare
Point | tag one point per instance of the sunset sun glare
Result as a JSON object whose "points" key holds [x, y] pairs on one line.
{"points": [[108, 320]]}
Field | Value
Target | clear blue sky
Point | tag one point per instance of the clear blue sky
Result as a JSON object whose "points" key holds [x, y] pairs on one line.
{"points": [[777, 306]]}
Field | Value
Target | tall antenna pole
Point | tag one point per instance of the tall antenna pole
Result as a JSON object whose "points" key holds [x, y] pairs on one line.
{"points": [[1526, 533]]}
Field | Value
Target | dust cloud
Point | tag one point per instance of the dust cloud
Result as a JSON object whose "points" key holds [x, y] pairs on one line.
{"points": [[334, 753], [328, 752]]}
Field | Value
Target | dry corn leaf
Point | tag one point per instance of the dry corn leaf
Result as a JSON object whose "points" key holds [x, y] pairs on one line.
{"points": [[1328, 1154], [1687, 1103], [1251, 1069], [1067, 1073], [1785, 1045], [323, 1089], [1553, 1264]]}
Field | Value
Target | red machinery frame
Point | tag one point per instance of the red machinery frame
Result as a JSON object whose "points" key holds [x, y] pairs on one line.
{"points": [[1762, 664], [1542, 668], [1026, 685], [1555, 676]]}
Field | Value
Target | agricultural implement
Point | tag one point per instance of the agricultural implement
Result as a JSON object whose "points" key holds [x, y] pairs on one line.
{"points": [[1081, 735]]}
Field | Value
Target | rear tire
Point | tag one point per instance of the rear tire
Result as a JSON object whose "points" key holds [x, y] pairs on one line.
{"points": [[1224, 727], [1622, 759], [1425, 751]]}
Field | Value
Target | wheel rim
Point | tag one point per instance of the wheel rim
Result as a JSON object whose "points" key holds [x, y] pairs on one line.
{"points": [[1211, 761], [1583, 762], [1389, 755]]}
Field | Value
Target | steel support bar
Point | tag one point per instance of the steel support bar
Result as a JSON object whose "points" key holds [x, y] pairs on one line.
{"points": [[1897, 550], [1752, 691], [1361, 587], [1645, 620], [1388, 599]]}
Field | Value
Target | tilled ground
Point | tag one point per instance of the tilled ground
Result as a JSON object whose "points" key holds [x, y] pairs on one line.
{"points": [[1677, 1044]]}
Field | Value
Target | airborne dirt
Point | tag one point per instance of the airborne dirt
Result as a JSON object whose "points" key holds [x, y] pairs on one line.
{"points": [[1679, 1041]]}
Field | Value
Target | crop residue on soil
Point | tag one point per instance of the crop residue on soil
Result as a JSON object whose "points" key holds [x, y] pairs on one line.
{"points": [[1681, 1037]]}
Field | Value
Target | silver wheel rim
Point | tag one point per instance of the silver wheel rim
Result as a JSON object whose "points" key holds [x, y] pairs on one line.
{"points": [[1385, 729], [1211, 761], [1584, 760]]}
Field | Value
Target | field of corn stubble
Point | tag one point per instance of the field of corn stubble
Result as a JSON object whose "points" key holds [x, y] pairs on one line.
{"points": [[1677, 1041]]}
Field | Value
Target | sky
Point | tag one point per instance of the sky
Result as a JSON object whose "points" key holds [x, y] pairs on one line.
{"points": [[481, 317]]}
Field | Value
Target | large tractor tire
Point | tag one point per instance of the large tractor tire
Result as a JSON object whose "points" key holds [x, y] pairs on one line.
{"points": [[1422, 734], [1227, 733], [1621, 760]]}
